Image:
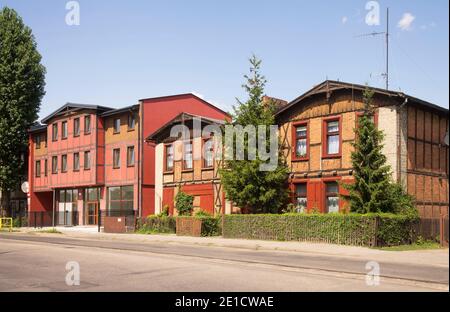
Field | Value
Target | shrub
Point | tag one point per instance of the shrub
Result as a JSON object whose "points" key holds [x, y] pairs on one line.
{"points": [[157, 224], [348, 229], [184, 203], [211, 226]]}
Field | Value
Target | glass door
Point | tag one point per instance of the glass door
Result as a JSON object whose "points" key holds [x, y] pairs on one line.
{"points": [[92, 214]]}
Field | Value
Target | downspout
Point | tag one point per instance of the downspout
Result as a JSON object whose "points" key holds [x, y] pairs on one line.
{"points": [[141, 158]]}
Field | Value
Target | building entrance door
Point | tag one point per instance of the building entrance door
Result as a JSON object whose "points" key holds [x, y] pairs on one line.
{"points": [[92, 213]]}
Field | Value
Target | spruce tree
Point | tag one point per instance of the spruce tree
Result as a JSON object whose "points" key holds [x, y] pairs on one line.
{"points": [[371, 189], [248, 187], [21, 90]]}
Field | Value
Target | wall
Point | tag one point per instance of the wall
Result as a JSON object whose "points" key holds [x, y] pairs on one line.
{"points": [[427, 162]]}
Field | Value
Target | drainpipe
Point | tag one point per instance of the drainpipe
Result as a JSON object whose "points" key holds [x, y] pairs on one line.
{"points": [[141, 157], [54, 208]]}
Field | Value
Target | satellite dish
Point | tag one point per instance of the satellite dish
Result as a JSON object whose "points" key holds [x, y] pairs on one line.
{"points": [[25, 187]]}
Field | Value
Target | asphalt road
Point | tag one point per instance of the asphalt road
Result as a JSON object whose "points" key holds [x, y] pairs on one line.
{"points": [[35, 263]]}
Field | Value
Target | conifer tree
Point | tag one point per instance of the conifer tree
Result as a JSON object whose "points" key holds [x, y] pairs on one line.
{"points": [[247, 186], [373, 190]]}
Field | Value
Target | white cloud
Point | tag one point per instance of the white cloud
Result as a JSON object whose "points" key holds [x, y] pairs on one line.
{"points": [[344, 20], [406, 22]]}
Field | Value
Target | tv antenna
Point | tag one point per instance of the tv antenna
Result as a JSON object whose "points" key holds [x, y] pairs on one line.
{"points": [[386, 34]]}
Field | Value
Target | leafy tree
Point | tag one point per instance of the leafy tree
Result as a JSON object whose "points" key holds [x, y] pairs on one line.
{"points": [[21, 91], [253, 190], [373, 190], [184, 203]]}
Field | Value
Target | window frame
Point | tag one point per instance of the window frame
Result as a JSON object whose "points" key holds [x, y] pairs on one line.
{"points": [[38, 141], [64, 136], [114, 125], [55, 132], [325, 136], [76, 133], [64, 168], [88, 153], [75, 168], [296, 125], [132, 116], [114, 158], [166, 168], [296, 195], [121, 201], [37, 172], [54, 164], [212, 150], [131, 147], [186, 169], [326, 194], [87, 130]]}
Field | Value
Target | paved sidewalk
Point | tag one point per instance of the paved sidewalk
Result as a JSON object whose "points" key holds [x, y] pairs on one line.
{"points": [[437, 257]]}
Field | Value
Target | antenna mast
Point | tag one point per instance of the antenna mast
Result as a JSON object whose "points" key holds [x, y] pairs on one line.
{"points": [[386, 33]]}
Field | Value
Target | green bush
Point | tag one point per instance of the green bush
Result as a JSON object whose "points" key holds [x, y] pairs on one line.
{"points": [[157, 224], [19, 222], [211, 226], [184, 203], [345, 229]]}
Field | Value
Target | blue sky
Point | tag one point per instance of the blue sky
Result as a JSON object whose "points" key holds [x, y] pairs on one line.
{"points": [[123, 51]]}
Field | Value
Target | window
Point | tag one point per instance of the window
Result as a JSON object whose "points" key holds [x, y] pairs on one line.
{"points": [[76, 161], [116, 158], [131, 121], [117, 125], [332, 138], [38, 169], [208, 159], [64, 163], [169, 157], [45, 140], [120, 201], [76, 127], [130, 156], [301, 141], [67, 207], [87, 124], [64, 130], [46, 167], [38, 141], [187, 159], [87, 160], [55, 132], [301, 200], [55, 164], [332, 197]]}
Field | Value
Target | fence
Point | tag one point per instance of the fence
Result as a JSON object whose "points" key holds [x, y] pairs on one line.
{"points": [[435, 229]]}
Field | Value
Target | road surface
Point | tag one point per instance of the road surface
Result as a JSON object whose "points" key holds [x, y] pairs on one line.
{"points": [[38, 263]]}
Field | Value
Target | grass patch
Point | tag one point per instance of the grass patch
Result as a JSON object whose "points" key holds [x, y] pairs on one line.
{"points": [[49, 231], [421, 246]]}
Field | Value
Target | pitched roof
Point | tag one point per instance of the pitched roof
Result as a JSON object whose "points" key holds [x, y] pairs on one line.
{"points": [[181, 118], [37, 127], [329, 86], [120, 110], [168, 97], [73, 107]]}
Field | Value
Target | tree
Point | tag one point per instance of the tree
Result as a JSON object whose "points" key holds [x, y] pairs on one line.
{"points": [[184, 203], [21, 91], [245, 184], [373, 190]]}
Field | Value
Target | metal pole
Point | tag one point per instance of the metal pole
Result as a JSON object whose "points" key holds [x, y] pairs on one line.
{"points": [[387, 49]]}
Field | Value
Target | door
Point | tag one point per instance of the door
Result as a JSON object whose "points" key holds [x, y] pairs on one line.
{"points": [[92, 214]]}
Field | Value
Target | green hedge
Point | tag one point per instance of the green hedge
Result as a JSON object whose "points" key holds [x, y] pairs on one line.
{"points": [[155, 224], [211, 226], [346, 229]]}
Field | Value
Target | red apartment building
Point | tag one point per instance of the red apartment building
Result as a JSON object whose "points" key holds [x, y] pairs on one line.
{"points": [[86, 158]]}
